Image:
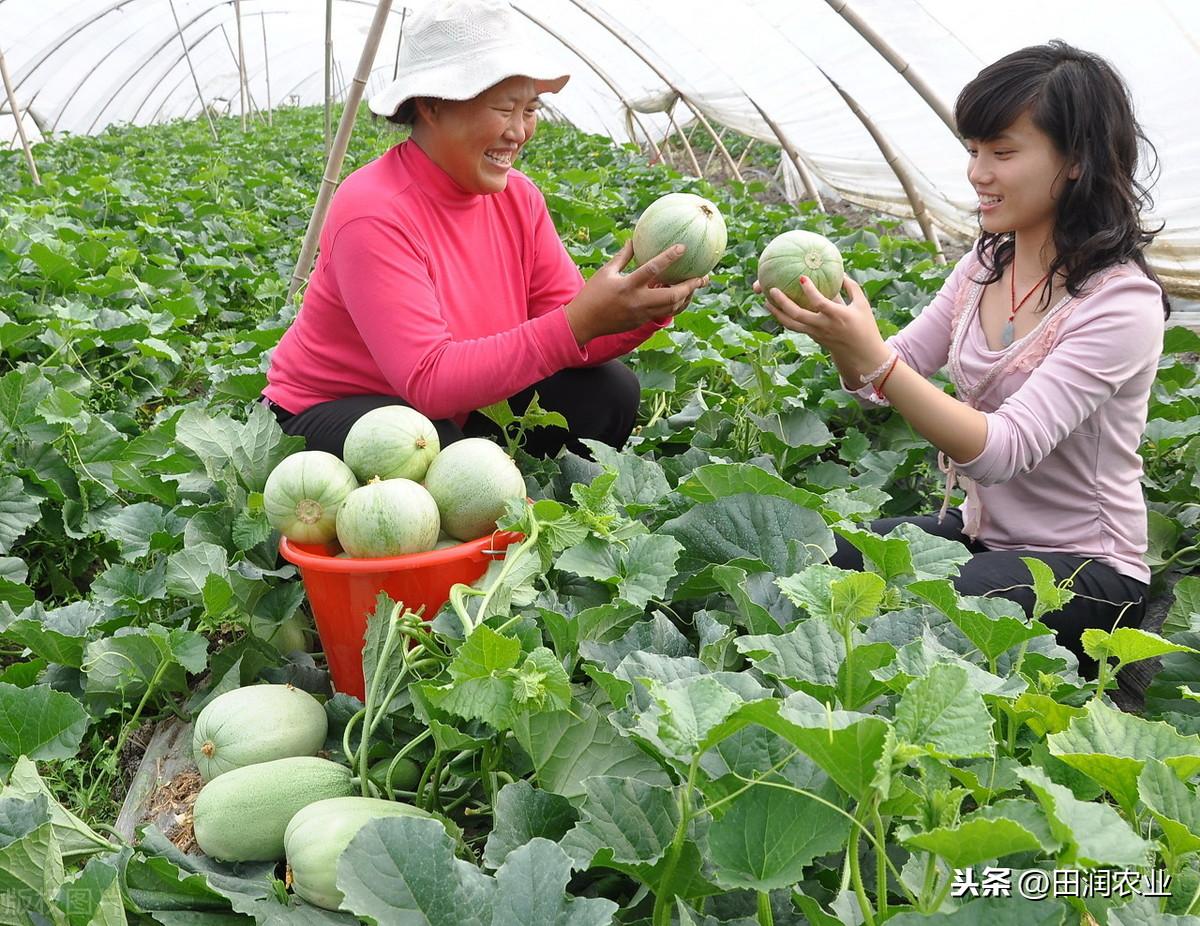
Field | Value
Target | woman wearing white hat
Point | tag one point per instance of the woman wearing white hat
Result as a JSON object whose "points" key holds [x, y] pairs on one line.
{"points": [[441, 282]]}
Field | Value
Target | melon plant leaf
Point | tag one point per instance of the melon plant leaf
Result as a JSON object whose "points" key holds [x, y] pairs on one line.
{"points": [[1111, 747], [1128, 644], [1023, 811], [932, 557], [59, 635], [778, 533], [252, 449], [767, 836], [992, 911], [761, 603], [567, 747], [523, 812], [945, 716], [1092, 834], [635, 822], [1184, 614], [1173, 804], [18, 511], [890, 557], [657, 635], [684, 715], [855, 597], [40, 723], [975, 840], [807, 657], [138, 528], [640, 568], [641, 482], [189, 570], [74, 836], [918, 659], [799, 429], [154, 881], [1049, 596], [481, 686], [811, 589], [94, 897], [997, 626], [403, 870], [31, 866], [720, 480], [20, 392]]}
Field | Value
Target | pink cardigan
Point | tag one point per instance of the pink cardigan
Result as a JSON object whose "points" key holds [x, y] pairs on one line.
{"points": [[450, 300], [1065, 406]]}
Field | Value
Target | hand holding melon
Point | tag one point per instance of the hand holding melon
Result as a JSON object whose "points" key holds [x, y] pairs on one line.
{"points": [[661, 287]]}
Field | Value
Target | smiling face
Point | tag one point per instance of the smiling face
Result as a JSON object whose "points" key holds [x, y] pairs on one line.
{"points": [[476, 141], [1019, 176]]}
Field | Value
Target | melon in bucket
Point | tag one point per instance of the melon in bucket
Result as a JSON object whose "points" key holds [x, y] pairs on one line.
{"points": [[388, 517], [391, 442], [801, 253], [681, 218], [472, 482], [302, 495]]}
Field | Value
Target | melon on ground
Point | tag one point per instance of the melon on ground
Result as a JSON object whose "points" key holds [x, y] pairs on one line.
{"points": [[472, 482]]}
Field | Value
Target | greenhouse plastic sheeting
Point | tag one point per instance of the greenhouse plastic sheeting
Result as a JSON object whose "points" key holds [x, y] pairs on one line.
{"points": [[79, 65]]}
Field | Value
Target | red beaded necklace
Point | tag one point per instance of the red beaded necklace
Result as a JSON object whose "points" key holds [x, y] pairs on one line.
{"points": [[1007, 334]]}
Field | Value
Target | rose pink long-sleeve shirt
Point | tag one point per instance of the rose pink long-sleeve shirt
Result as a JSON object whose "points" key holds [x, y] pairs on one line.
{"points": [[447, 299], [1065, 407]]}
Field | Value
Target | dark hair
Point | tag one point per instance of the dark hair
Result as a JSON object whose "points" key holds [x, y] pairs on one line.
{"points": [[406, 113], [1080, 101]]}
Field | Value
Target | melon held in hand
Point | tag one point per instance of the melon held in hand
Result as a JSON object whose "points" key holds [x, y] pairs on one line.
{"points": [[801, 253], [681, 218], [472, 482]]}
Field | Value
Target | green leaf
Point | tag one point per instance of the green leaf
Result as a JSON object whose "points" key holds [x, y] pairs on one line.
{"points": [[1173, 804], [522, 813], [59, 635], [1050, 596], [1127, 644], [73, 835], [766, 838], [18, 511], [992, 911], [855, 597], [137, 527], [567, 747], [721, 480], [994, 629], [945, 716], [807, 657], [780, 534], [1111, 747], [1092, 834], [761, 604], [40, 723], [403, 870], [94, 897], [251, 449], [641, 483], [685, 714], [31, 866], [640, 568], [634, 821], [976, 840], [481, 688], [189, 570]]}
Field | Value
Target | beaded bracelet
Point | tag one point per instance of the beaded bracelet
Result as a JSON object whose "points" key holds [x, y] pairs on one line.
{"points": [[875, 374]]}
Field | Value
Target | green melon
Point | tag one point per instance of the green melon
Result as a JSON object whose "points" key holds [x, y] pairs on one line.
{"points": [[472, 482], [391, 442], [302, 495], [291, 635], [681, 218], [242, 816], [254, 724], [801, 253], [388, 517], [320, 833]]}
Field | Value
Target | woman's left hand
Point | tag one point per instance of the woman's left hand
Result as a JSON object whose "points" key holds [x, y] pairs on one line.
{"points": [[847, 331]]}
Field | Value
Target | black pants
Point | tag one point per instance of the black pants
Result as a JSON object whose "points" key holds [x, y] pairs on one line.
{"points": [[1103, 597], [599, 403]]}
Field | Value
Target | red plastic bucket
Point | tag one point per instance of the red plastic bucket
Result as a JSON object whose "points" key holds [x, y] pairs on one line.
{"points": [[342, 591]]}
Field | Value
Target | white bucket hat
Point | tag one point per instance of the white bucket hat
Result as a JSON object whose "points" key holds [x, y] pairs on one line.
{"points": [[456, 49]]}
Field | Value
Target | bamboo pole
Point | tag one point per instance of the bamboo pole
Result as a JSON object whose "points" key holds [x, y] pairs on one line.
{"points": [[712, 154], [687, 145], [806, 177], [241, 60], [399, 42], [903, 67], [663, 77], [892, 156], [267, 70], [598, 72], [328, 78], [16, 114], [745, 151], [253, 107], [212, 125], [333, 165]]}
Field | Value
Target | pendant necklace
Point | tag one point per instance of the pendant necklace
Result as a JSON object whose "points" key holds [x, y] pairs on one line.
{"points": [[1007, 335]]}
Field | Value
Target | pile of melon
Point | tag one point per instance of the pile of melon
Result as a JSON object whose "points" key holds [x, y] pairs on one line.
{"points": [[268, 795], [395, 491]]}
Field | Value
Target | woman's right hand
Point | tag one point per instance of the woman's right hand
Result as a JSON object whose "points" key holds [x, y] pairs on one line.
{"points": [[612, 302]]}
